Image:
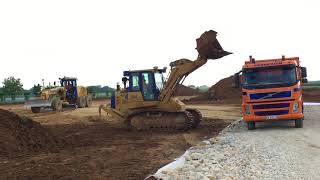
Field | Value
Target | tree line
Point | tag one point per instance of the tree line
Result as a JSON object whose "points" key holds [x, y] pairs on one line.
{"points": [[13, 87]]}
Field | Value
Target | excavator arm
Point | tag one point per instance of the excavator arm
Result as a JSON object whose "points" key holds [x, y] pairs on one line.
{"points": [[208, 47]]}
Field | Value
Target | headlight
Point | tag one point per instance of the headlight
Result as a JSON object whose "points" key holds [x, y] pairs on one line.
{"points": [[247, 109], [295, 106]]}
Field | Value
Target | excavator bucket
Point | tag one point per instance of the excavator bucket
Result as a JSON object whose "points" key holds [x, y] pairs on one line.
{"points": [[209, 47]]}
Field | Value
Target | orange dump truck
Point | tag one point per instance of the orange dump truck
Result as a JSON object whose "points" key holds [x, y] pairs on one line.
{"points": [[272, 90]]}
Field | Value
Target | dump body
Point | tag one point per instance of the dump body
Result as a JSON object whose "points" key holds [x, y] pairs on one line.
{"points": [[272, 89]]}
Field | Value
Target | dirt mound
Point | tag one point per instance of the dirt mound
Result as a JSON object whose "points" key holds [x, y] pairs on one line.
{"points": [[19, 135], [183, 90], [311, 95], [221, 91], [224, 89]]}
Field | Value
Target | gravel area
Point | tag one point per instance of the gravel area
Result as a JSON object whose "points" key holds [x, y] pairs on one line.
{"points": [[275, 150]]}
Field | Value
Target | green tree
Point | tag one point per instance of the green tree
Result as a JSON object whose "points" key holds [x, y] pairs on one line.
{"points": [[12, 87], [1, 94], [36, 89]]}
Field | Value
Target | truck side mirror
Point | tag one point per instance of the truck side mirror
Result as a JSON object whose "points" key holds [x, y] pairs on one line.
{"points": [[305, 80], [303, 72], [236, 80]]}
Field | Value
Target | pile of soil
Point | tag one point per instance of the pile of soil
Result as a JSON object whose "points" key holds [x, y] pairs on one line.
{"points": [[183, 90], [312, 95], [20, 135], [223, 91]]}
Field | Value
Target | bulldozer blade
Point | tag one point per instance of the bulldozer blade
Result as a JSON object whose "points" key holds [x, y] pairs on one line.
{"points": [[37, 102], [209, 47]]}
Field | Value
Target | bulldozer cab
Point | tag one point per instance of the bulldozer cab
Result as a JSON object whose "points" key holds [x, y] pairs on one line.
{"points": [[70, 85], [148, 82]]}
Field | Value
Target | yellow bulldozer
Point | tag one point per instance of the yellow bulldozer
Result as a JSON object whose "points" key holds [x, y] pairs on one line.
{"points": [[68, 93], [146, 100]]}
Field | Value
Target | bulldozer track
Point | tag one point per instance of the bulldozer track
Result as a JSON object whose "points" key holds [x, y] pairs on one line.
{"points": [[197, 117], [160, 120]]}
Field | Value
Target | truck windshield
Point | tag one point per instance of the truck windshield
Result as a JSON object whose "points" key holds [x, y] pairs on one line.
{"points": [[269, 77]]}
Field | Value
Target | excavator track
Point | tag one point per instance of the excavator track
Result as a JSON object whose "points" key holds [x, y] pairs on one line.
{"points": [[161, 120], [197, 117]]}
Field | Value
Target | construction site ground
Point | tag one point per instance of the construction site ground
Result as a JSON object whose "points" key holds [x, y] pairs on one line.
{"points": [[274, 150], [94, 147]]}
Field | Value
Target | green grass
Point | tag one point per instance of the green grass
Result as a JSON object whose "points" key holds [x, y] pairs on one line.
{"points": [[312, 83], [311, 86]]}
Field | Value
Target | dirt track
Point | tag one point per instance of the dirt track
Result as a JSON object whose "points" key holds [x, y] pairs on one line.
{"points": [[99, 148]]}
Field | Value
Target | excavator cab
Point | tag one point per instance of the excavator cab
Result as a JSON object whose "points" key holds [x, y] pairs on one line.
{"points": [[70, 84], [149, 82]]}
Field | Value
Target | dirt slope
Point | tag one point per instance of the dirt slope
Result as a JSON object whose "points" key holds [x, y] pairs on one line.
{"points": [[100, 148], [312, 95], [183, 90], [20, 135], [222, 91]]}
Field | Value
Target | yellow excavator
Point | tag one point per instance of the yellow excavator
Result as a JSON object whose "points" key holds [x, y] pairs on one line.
{"points": [[146, 101]]}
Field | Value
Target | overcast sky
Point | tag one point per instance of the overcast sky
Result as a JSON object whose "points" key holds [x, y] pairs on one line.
{"points": [[97, 40]]}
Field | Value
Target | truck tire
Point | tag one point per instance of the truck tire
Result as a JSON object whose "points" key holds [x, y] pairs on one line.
{"points": [[35, 109], [298, 123], [81, 102], [88, 101], [251, 125], [57, 105]]}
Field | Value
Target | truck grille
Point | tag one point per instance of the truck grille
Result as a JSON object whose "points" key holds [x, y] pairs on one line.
{"points": [[270, 113], [270, 95], [270, 106]]}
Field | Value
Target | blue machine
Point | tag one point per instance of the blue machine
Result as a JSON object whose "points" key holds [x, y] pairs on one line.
{"points": [[70, 85]]}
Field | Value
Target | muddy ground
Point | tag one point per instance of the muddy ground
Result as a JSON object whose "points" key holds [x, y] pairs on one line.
{"points": [[100, 148]]}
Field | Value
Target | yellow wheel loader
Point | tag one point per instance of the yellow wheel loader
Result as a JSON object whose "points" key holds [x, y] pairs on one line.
{"points": [[146, 101], [55, 98]]}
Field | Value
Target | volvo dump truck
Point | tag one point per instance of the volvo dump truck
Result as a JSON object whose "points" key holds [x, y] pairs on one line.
{"points": [[146, 100], [68, 93], [272, 90]]}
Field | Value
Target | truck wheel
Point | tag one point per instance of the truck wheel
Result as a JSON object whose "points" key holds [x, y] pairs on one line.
{"points": [[57, 105], [81, 102], [35, 109], [88, 101], [251, 125], [299, 123]]}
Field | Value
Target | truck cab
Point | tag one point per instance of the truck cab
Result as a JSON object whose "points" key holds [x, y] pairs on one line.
{"points": [[272, 90]]}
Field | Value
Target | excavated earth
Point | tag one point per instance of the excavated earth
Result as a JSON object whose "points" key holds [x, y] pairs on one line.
{"points": [[78, 144], [183, 90], [222, 92], [20, 135]]}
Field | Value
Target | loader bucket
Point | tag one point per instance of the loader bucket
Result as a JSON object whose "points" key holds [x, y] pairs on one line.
{"points": [[209, 47]]}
